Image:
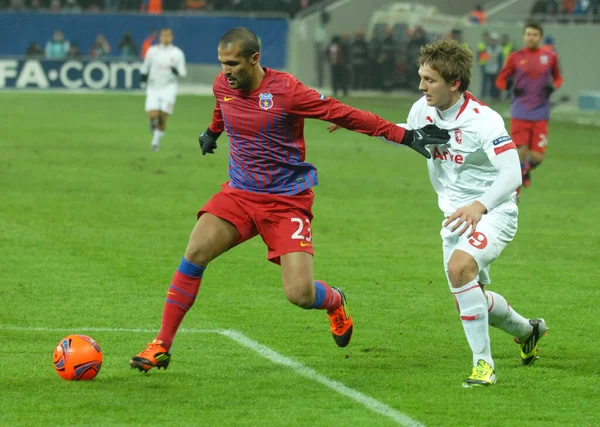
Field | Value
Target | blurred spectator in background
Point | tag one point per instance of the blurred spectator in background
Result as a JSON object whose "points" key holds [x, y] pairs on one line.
{"points": [[95, 6], [14, 4], [482, 55], [374, 79], [236, 5], [539, 8], [291, 7], [58, 46], [320, 45], [583, 7], [71, 6], [346, 39], [128, 47], [148, 41], [74, 52], [548, 44], [359, 59], [478, 15], [100, 48], [336, 56], [491, 68], [568, 6], [34, 50], [112, 5], [455, 34], [545, 7], [198, 5], [413, 51], [154, 7], [387, 60], [507, 46]]}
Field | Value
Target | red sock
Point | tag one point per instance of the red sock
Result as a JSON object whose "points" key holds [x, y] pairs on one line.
{"points": [[180, 298], [331, 299]]}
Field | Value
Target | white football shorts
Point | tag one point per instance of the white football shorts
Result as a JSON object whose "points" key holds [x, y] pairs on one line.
{"points": [[162, 100], [494, 232]]}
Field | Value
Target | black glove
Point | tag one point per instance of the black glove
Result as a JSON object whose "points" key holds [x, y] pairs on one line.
{"points": [[143, 78], [174, 71], [547, 90], [431, 134], [518, 91], [208, 141]]}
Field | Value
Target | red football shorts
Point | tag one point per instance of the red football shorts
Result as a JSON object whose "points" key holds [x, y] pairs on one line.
{"points": [[533, 134], [283, 222]]}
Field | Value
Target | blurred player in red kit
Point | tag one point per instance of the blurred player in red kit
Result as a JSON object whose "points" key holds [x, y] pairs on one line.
{"points": [[269, 192], [536, 75]]}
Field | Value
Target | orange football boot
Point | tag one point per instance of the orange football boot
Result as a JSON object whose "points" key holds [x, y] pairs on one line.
{"points": [[341, 322], [154, 356]]}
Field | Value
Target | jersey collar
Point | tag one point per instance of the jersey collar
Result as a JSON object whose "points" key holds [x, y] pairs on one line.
{"points": [[455, 110]]}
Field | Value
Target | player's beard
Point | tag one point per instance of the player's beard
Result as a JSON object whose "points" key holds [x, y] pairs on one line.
{"points": [[233, 82], [239, 82]]}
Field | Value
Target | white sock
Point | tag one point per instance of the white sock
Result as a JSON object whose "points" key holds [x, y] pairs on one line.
{"points": [[502, 316], [474, 317], [157, 136]]}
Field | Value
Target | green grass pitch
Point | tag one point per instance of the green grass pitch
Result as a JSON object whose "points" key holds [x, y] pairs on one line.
{"points": [[93, 224]]}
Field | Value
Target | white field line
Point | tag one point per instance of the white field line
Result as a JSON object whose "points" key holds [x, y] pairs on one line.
{"points": [[264, 351]]}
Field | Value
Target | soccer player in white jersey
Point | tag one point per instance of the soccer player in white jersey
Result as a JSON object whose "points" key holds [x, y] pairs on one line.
{"points": [[162, 65], [476, 176]]}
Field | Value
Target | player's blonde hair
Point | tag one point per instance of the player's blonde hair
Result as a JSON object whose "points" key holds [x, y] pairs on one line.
{"points": [[453, 61]]}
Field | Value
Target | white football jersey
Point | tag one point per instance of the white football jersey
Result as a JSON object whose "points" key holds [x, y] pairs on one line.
{"points": [[157, 64], [461, 171]]}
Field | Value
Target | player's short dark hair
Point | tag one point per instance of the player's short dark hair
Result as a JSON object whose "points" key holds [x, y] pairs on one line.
{"points": [[244, 38], [535, 26], [452, 60]]}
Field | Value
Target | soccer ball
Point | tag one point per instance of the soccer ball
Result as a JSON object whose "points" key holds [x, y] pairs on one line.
{"points": [[77, 357]]}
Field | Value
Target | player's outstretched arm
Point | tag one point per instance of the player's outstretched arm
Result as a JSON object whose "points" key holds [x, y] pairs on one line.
{"points": [[307, 102], [417, 139]]}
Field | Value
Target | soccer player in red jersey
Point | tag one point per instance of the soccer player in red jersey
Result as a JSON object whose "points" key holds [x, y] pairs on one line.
{"points": [[270, 188], [536, 75]]}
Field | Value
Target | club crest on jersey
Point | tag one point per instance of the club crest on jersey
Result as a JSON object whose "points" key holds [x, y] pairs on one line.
{"points": [[265, 100], [544, 59], [458, 135]]}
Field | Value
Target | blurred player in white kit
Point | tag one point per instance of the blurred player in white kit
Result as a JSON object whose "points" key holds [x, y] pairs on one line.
{"points": [[163, 64], [476, 176]]}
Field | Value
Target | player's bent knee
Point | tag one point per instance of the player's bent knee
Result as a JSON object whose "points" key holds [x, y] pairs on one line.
{"points": [[197, 255], [300, 295], [536, 157], [461, 273]]}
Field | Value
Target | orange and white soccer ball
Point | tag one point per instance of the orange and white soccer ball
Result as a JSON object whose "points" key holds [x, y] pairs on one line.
{"points": [[77, 358]]}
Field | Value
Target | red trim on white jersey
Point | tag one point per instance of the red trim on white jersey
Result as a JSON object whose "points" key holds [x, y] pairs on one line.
{"points": [[505, 147], [468, 97]]}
